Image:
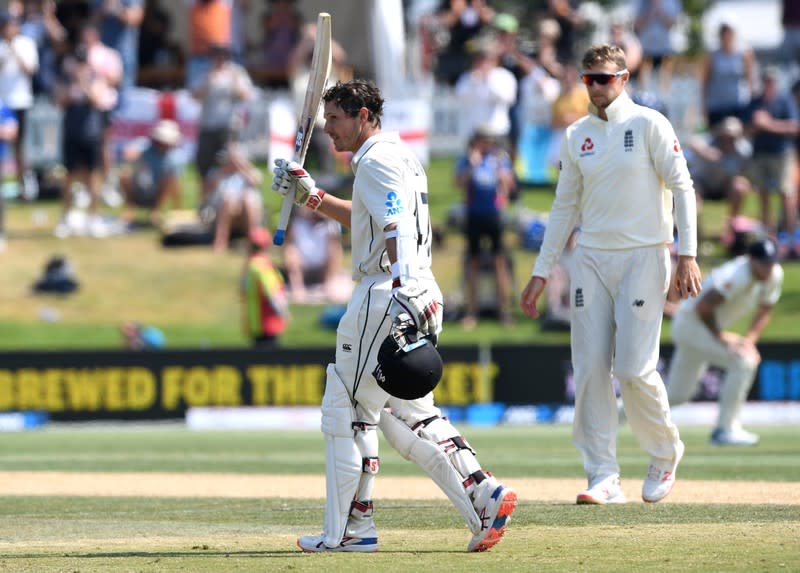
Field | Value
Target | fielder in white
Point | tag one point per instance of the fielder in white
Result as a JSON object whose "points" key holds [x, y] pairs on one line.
{"points": [[391, 252], [618, 165], [731, 291]]}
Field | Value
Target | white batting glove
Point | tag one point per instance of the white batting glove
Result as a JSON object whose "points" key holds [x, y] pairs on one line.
{"points": [[421, 306], [289, 176]]}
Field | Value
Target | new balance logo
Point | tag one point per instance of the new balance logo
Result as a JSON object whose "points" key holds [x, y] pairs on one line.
{"points": [[638, 303], [579, 297]]}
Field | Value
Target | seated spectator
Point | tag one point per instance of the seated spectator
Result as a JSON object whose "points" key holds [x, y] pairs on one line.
{"points": [[265, 307], [313, 257], [718, 165], [153, 173], [235, 197]]}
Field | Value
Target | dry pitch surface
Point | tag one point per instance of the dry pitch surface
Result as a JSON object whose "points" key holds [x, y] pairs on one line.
{"points": [[386, 487]]}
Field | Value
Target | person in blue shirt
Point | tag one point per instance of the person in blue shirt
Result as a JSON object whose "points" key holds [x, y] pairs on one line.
{"points": [[772, 122], [119, 22], [8, 134], [486, 175], [154, 173]]}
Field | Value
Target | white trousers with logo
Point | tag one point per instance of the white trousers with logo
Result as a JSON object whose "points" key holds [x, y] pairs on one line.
{"points": [[617, 302]]}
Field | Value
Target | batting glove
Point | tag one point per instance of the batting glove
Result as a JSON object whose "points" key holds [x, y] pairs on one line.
{"points": [[289, 176], [421, 306]]}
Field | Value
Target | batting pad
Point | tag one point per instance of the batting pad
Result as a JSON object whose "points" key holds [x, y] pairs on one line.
{"points": [[342, 458], [433, 461]]}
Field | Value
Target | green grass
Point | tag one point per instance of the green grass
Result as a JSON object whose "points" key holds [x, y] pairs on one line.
{"points": [[191, 293], [100, 534], [527, 451]]}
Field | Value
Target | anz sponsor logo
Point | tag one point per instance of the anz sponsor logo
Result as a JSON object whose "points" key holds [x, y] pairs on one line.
{"points": [[394, 205]]}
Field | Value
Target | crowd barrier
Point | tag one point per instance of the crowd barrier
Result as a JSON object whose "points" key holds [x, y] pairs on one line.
{"points": [[87, 385]]}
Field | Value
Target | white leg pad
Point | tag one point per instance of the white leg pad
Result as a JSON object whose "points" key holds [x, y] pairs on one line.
{"points": [[430, 457], [461, 454], [342, 457]]}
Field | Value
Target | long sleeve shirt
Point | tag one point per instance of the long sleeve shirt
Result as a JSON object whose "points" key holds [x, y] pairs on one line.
{"points": [[618, 179]]}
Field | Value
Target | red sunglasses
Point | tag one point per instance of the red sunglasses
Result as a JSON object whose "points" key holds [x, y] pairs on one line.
{"points": [[590, 78]]}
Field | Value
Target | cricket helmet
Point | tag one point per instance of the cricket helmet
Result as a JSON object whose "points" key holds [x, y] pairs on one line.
{"points": [[409, 365]]}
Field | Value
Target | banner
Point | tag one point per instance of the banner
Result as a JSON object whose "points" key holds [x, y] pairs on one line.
{"points": [[85, 385], [163, 384]]}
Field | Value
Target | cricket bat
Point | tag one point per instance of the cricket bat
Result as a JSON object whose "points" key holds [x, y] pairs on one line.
{"points": [[320, 69]]}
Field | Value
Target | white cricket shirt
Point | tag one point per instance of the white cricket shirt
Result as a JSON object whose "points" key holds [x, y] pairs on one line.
{"points": [[739, 289], [615, 181], [390, 183]]}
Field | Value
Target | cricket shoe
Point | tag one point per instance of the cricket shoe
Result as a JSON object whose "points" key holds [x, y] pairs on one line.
{"points": [[660, 479], [733, 437], [494, 514], [607, 490], [316, 544]]}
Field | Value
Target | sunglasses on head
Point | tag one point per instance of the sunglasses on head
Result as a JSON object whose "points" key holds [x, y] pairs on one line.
{"points": [[590, 78]]}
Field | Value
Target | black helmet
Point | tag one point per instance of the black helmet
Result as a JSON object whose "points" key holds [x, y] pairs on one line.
{"points": [[409, 366]]}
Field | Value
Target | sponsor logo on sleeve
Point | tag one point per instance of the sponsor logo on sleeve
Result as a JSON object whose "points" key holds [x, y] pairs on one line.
{"points": [[394, 204]]}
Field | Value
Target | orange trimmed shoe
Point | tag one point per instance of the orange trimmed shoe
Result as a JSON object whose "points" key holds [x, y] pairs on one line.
{"points": [[494, 517]]}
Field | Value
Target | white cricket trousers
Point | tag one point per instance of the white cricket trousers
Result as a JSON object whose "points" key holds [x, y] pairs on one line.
{"points": [[696, 348], [617, 304]]}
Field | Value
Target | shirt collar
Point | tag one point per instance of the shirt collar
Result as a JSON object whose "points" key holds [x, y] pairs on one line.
{"points": [[618, 110], [390, 136]]}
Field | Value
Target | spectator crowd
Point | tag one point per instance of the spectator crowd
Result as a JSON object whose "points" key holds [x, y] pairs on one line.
{"points": [[508, 72]]}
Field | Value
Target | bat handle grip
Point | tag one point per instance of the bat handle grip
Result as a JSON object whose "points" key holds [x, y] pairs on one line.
{"points": [[283, 221]]}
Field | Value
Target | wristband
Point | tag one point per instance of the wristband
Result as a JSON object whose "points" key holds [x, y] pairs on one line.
{"points": [[395, 276]]}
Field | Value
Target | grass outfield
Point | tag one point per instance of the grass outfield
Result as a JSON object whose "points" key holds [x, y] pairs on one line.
{"points": [[191, 293], [108, 532]]}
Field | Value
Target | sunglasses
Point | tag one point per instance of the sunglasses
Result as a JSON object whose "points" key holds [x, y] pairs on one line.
{"points": [[590, 78]]}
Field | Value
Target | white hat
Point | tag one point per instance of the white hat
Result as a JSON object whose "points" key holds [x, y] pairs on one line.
{"points": [[166, 131], [730, 126]]}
